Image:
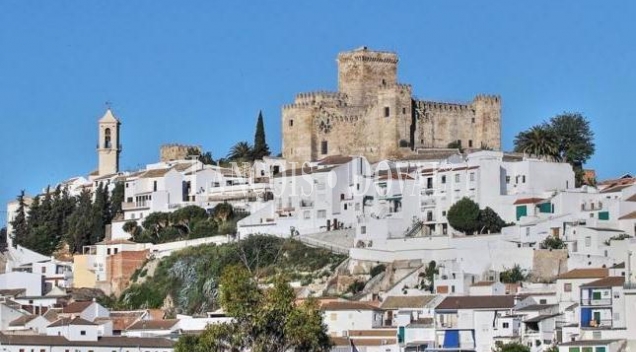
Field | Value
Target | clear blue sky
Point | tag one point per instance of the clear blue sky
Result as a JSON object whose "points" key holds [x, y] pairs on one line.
{"points": [[199, 71]]}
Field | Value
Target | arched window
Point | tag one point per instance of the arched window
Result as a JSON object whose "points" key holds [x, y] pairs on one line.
{"points": [[107, 143]]}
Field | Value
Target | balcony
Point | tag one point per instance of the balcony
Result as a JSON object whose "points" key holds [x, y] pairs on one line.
{"points": [[597, 324], [133, 206], [596, 302]]}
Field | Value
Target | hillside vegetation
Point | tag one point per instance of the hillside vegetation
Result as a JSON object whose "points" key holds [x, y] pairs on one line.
{"points": [[187, 281]]}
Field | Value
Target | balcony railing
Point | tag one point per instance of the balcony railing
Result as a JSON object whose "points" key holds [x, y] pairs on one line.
{"points": [[597, 324], [596, 302]]}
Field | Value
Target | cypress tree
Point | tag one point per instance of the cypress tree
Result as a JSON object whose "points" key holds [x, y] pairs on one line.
{"points": [[80, 224], [260, 148], [19, 222]]}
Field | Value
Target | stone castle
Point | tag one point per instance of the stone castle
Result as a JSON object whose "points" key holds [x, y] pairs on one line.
{"points": [[375, 116]]}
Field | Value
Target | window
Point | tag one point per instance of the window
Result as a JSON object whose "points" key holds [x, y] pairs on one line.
{"points": [[107, 251], [291, 123], [83, 332], [523, 179], [507, 179], [321, 214], [617, 295], [387, 111], [505, 325], [567, 287], [363, 230], [154, 186], [404, 110], [588, 241], [127, 184], [456, 178], [43, 270], [116, 250], [324, 147], [443, 180], [472, 176], [470, 143], [107, 141], [543, 301], [443, 212], [472, 120], [453, 289]]}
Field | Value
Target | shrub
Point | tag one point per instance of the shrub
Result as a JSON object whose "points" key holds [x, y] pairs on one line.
{"points": [[377, 270]]}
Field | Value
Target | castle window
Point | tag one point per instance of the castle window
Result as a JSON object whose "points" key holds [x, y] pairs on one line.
{"points": [[324, 147], [472, 120], [404, 110], [470, 143], [291, 123], [107, 142], [387, 111]]}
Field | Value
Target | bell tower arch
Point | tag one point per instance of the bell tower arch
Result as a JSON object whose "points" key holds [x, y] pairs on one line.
{"points": [[108, 147]]}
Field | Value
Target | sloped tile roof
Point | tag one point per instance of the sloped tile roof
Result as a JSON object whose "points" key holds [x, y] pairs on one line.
{"points": [[477, 302], [610, 281], [398, 302], [585, 273]]}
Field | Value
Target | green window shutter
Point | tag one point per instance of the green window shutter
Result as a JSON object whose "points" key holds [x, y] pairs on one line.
{"points": [[574, 349], [588, 349], [401, 334], [596, 295], [600, 349], [545, 208], [603, 215], [522, 210]]}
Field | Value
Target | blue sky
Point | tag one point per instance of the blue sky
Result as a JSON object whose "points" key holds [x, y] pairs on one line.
{"points": [[199, 71]]}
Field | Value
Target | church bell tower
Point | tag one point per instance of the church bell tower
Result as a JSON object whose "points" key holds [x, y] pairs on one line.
{"points": [[108, 147]]}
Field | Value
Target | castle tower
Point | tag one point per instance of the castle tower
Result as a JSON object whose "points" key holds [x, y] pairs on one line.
{"points": [[362, 72], [108, 147]]}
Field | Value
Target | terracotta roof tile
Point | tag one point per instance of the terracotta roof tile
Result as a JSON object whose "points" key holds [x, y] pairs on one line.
{"points": [[21, 321], [335, 160], [76, 307], [628, 216], [398, 302], [346, 305], [166, 324], [585, 273], [610, 281], [483, 283], [155, 173], [104, 341], [477, 302]]}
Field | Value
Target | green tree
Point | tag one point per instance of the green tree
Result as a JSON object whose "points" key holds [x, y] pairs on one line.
{"points": [[184, 218], [19, 222], [80, 223], [132, 228], [539, 141], [510, 347], [100, 213], [490, 221], [552, 242], [574, 137], [429, 276], [241, 151], [464, 216], [513, 275], [116, 200], [567, 137], [222, 212], [261, 148], [264, 321], [204, 228]]}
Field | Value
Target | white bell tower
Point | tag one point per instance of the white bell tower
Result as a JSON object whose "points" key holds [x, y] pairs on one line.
{"points": [[108, 147]]}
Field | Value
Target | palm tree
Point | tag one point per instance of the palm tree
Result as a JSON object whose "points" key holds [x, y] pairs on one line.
{"points": [[241, 151], [539, 141]]}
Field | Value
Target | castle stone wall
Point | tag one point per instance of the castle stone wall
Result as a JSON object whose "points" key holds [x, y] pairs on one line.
{"points": [[169, 152], [375, 116]]}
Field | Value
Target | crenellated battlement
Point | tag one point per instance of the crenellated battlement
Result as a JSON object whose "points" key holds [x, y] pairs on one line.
{"points": [[488, 98], [441, 106], [309, 99], [363, 54]]}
